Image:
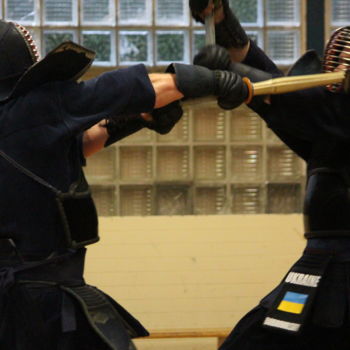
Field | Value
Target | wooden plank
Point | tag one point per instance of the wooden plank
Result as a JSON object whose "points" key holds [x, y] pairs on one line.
{"points": [[219, 333], [189, 333]]}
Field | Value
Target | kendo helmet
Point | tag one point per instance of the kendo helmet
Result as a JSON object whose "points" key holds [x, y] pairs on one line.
{"points": [[337, 56], [21, 68]]}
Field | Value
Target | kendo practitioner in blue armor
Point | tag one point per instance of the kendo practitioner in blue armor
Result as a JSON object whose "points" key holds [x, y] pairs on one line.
{"points": [[310, 308], [49, 122]]}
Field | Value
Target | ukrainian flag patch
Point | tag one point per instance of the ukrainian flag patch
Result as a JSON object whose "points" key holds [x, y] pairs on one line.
{"points": [[293, 302]]}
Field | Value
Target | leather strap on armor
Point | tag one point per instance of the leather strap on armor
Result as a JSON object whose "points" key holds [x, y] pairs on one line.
{"points": [[76, 208]]}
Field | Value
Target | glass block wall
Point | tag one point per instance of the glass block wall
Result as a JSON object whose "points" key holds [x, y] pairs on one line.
{"points": [[214, 161], [339, 14], [154, 32]]}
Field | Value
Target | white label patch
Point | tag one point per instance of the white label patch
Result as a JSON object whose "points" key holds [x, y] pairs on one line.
{"points": [[273, 322], [302, 279]]}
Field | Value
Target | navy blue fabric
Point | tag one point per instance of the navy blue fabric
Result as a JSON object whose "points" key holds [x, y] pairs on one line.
{"points": [[327, 204], [306, 114], [314, 123], [249, 335], [40, 130], [49, 303], [258, 59], [336, 245], [311, 114]]}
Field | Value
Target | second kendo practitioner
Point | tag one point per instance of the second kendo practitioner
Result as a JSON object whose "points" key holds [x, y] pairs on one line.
{"points": [[310, 308], [48, 121]]}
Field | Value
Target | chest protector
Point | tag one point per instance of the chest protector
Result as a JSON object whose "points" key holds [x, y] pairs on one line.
{"points": [[327, 198], [76, 208]]}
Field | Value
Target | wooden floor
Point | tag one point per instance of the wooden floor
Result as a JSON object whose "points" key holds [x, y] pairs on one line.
{"points": [[219, 333]]}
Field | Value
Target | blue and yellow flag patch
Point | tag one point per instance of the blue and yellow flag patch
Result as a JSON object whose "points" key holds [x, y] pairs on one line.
{"points": [[293, 302]]}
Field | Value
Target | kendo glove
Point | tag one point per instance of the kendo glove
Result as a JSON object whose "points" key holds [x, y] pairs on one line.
{"points": [[122, 126], [229, 32], [217, 57], [197, 7], [165, 118], [213, 57], [196, 81]]}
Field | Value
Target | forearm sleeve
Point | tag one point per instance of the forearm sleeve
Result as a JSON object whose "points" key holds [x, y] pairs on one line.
{"points": [[257, 58]]}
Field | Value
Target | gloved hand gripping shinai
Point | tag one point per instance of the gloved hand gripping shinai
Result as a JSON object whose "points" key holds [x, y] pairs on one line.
{"points": [[196, 81], [217, 57], [229, 32]]}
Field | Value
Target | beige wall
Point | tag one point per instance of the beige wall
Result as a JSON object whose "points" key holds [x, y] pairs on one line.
{"points": [[192, 271]]}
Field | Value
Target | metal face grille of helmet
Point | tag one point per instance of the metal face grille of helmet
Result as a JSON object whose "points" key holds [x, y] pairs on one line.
{"points": [[337, 55], [18, 52], [33, 49]]}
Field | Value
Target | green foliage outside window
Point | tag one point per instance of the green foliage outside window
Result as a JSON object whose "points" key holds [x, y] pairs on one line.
{"points": [[170, 47], [51, 40], [246, 10], [199, 42], [101, 44], [134, 48]]}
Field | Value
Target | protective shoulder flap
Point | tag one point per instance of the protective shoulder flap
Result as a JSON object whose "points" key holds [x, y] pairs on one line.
{"points": [[308, 63]]}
